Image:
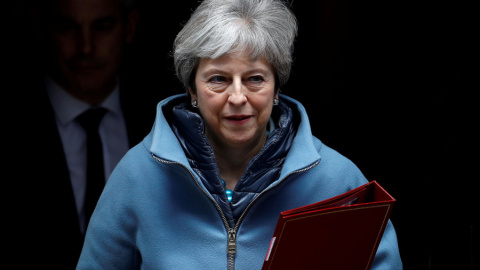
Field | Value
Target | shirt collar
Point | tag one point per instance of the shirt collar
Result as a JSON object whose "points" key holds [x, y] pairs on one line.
{"points": [[67, 107]]}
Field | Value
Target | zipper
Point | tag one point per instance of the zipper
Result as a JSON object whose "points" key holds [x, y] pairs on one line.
{"points": [[225, 221], [232, 247], [232, 236], [232, 232]]}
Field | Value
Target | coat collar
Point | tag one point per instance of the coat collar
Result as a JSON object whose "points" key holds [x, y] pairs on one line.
{"points": [[305, 148], [163, 143]]}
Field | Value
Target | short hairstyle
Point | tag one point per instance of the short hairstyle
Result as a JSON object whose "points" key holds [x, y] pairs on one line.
{"points": [[262, 28]]}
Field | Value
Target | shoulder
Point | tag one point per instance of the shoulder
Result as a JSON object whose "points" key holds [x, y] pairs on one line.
{"points": [[334, 163], [333, 173]]}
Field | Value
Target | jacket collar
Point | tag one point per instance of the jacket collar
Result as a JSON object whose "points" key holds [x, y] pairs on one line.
{"points": [[304, 152], [163, 143]]}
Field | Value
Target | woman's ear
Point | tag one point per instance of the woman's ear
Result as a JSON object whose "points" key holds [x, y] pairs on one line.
{"points": [[193, 94], [193, 98]]}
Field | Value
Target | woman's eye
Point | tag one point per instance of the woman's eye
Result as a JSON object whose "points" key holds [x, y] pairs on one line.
{"points": [[256, 79], [217, 83], [217, 79]]}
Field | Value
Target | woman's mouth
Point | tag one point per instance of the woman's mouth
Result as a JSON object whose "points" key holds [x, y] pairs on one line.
{"points": [[238, 119]]}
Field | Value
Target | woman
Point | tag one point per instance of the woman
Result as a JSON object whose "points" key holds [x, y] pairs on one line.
{"points": [[205, 187]]}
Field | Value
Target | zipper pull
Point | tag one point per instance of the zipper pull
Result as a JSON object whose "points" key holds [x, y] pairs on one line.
{"points": [[232, 242]]}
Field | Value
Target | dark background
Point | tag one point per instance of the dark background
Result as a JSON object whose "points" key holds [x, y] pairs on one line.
{"points": [[388, 84]]}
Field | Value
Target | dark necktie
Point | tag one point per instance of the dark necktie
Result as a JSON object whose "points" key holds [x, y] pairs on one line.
{"points": [[90, 120]]}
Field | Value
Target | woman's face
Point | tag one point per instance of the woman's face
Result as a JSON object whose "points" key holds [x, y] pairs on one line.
{"points": [[235, 98]]}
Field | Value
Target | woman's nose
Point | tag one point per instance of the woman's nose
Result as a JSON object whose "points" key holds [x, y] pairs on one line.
{"points": [[238, 93]]}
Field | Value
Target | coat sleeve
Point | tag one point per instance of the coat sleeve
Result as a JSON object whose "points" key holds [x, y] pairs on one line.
{"points": [[388, 255], [110, 241], [338, 169]]}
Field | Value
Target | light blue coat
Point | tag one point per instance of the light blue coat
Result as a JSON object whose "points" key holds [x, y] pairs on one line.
{"points": [[154, 213]]}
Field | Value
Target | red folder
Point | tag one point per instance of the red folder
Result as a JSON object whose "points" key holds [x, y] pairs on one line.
{"points": [[342, 232]]}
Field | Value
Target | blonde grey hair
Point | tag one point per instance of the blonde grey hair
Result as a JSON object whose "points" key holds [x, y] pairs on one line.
{"points": [[262, 28]]}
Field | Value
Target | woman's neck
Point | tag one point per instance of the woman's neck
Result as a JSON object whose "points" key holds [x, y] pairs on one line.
{"points": [[232, 162]]}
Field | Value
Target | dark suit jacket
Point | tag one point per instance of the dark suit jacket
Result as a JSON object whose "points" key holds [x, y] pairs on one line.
{"points": [[41, 214]]}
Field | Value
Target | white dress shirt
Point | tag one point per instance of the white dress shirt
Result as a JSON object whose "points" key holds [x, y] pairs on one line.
{"points": [[112, 130]]}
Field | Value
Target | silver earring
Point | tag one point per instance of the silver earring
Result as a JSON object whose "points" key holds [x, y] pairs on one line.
{"points": [[275, 101], [194, 104]]}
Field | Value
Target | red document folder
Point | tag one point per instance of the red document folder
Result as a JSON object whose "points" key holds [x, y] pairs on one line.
{"points": [[342, 232]]}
